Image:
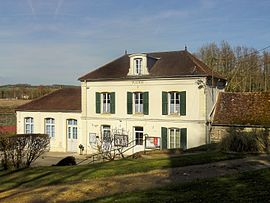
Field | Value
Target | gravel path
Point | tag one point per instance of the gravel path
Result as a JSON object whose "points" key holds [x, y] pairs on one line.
{"points": [[92, 189]]}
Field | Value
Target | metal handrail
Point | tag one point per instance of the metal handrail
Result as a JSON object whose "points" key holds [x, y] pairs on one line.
{"points": [[101, 153]]}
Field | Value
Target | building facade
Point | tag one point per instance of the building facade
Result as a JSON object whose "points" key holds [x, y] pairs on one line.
{"points": [[160, 99]]}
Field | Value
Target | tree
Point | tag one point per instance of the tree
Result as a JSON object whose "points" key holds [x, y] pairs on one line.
{"points": [[18, 151], [244, 68]]}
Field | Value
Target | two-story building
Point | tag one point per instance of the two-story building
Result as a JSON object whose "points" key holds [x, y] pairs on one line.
{"points": [[167, 96]]}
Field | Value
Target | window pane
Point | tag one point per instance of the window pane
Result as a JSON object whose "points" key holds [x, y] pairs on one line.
{"points": [[53, 131], [74, 133], [177, 138], [171, 138], [69, 132]]}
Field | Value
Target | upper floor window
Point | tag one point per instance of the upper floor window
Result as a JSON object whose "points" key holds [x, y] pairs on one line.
{"points": [[174, 103], [138, 102], [72, 129], [29, 125], [105, 102], [50, 127], [138, 66]]}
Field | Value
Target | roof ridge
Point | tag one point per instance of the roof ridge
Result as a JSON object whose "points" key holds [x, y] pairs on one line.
{"points": [[158, 52]]}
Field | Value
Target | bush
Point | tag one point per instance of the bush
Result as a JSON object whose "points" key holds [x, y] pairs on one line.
{"points": [[238, 140], [67, 161], [18, 151]]}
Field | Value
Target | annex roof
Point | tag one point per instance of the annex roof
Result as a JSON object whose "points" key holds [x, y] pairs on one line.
{"points": [[243, 109], [62, 100], [168, 64]]}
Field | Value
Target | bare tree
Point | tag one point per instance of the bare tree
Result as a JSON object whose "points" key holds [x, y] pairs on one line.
{"points": [[17, 151]]}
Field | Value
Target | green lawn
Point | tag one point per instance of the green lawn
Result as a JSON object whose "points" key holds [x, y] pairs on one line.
{"points": [[244, 187], [41, 176]]}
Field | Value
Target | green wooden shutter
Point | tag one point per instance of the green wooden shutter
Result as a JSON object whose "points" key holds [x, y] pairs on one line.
{"points": [[164, 103], [183, 138], [183, 103], [97, 102], [129, 103], [112, 95], [145, 103], [164, 138]]}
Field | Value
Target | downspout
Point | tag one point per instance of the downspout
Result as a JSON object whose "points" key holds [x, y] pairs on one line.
{"points": [[209, 122]]}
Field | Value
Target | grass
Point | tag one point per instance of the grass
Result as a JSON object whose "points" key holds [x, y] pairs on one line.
{"points": [[42, 176], [244, 187]]}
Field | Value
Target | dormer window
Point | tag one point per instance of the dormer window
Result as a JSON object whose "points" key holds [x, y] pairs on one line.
{"points": [[138, 66]]}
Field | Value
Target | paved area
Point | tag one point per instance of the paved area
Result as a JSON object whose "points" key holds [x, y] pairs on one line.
{"points": [[92, 189], [50, 158]]}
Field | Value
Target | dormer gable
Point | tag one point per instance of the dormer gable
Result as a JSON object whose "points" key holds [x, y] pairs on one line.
{"points": [[138, 65]]}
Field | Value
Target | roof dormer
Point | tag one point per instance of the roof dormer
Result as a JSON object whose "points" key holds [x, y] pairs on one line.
{"points": [[138, 65]]}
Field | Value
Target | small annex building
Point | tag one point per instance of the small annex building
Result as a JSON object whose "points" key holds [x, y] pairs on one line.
{"points": [[57, 114], [149, 100], [245, 110]]}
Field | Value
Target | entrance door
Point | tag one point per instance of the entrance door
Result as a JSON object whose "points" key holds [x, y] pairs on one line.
{"points": [[72, 135]]}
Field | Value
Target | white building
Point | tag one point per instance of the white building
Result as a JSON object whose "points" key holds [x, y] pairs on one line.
{"points": [[167, 96]]}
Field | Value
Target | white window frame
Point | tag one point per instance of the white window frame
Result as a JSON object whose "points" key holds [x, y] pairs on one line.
{"points": [[50, 127], [138, 102], [174, 138], [106, 102], [138, 131], [138, 66], [174, 103], [72, 128], [29, 125]]}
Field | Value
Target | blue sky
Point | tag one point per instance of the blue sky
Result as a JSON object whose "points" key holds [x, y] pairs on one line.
{"points": [[56, 41]]}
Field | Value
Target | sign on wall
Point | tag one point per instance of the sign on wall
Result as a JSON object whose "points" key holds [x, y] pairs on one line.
{"points": [[152, 142], [92, 138], [120, 140]]}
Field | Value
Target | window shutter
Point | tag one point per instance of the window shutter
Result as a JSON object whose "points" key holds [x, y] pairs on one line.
{"points": [[112, 95], [183, 138], [164, 103], [145, 103], [129, 103], [183, 103], [164, 138], [97, 102]]}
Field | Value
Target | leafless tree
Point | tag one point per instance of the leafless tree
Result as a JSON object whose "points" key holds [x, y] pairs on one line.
{"points": [[21, 150]]}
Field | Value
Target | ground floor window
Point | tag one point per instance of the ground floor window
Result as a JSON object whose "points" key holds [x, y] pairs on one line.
{"points": [[139, 135], [174, 138], [106, 133], [50, 127], [29, 125]]}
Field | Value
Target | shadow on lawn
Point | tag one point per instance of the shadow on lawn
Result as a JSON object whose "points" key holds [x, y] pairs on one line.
{"points": [[250, 186]]}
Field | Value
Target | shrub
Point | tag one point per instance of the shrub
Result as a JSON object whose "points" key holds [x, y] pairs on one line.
{"points": [[238, 140], [21, 150], [67, 161]]}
